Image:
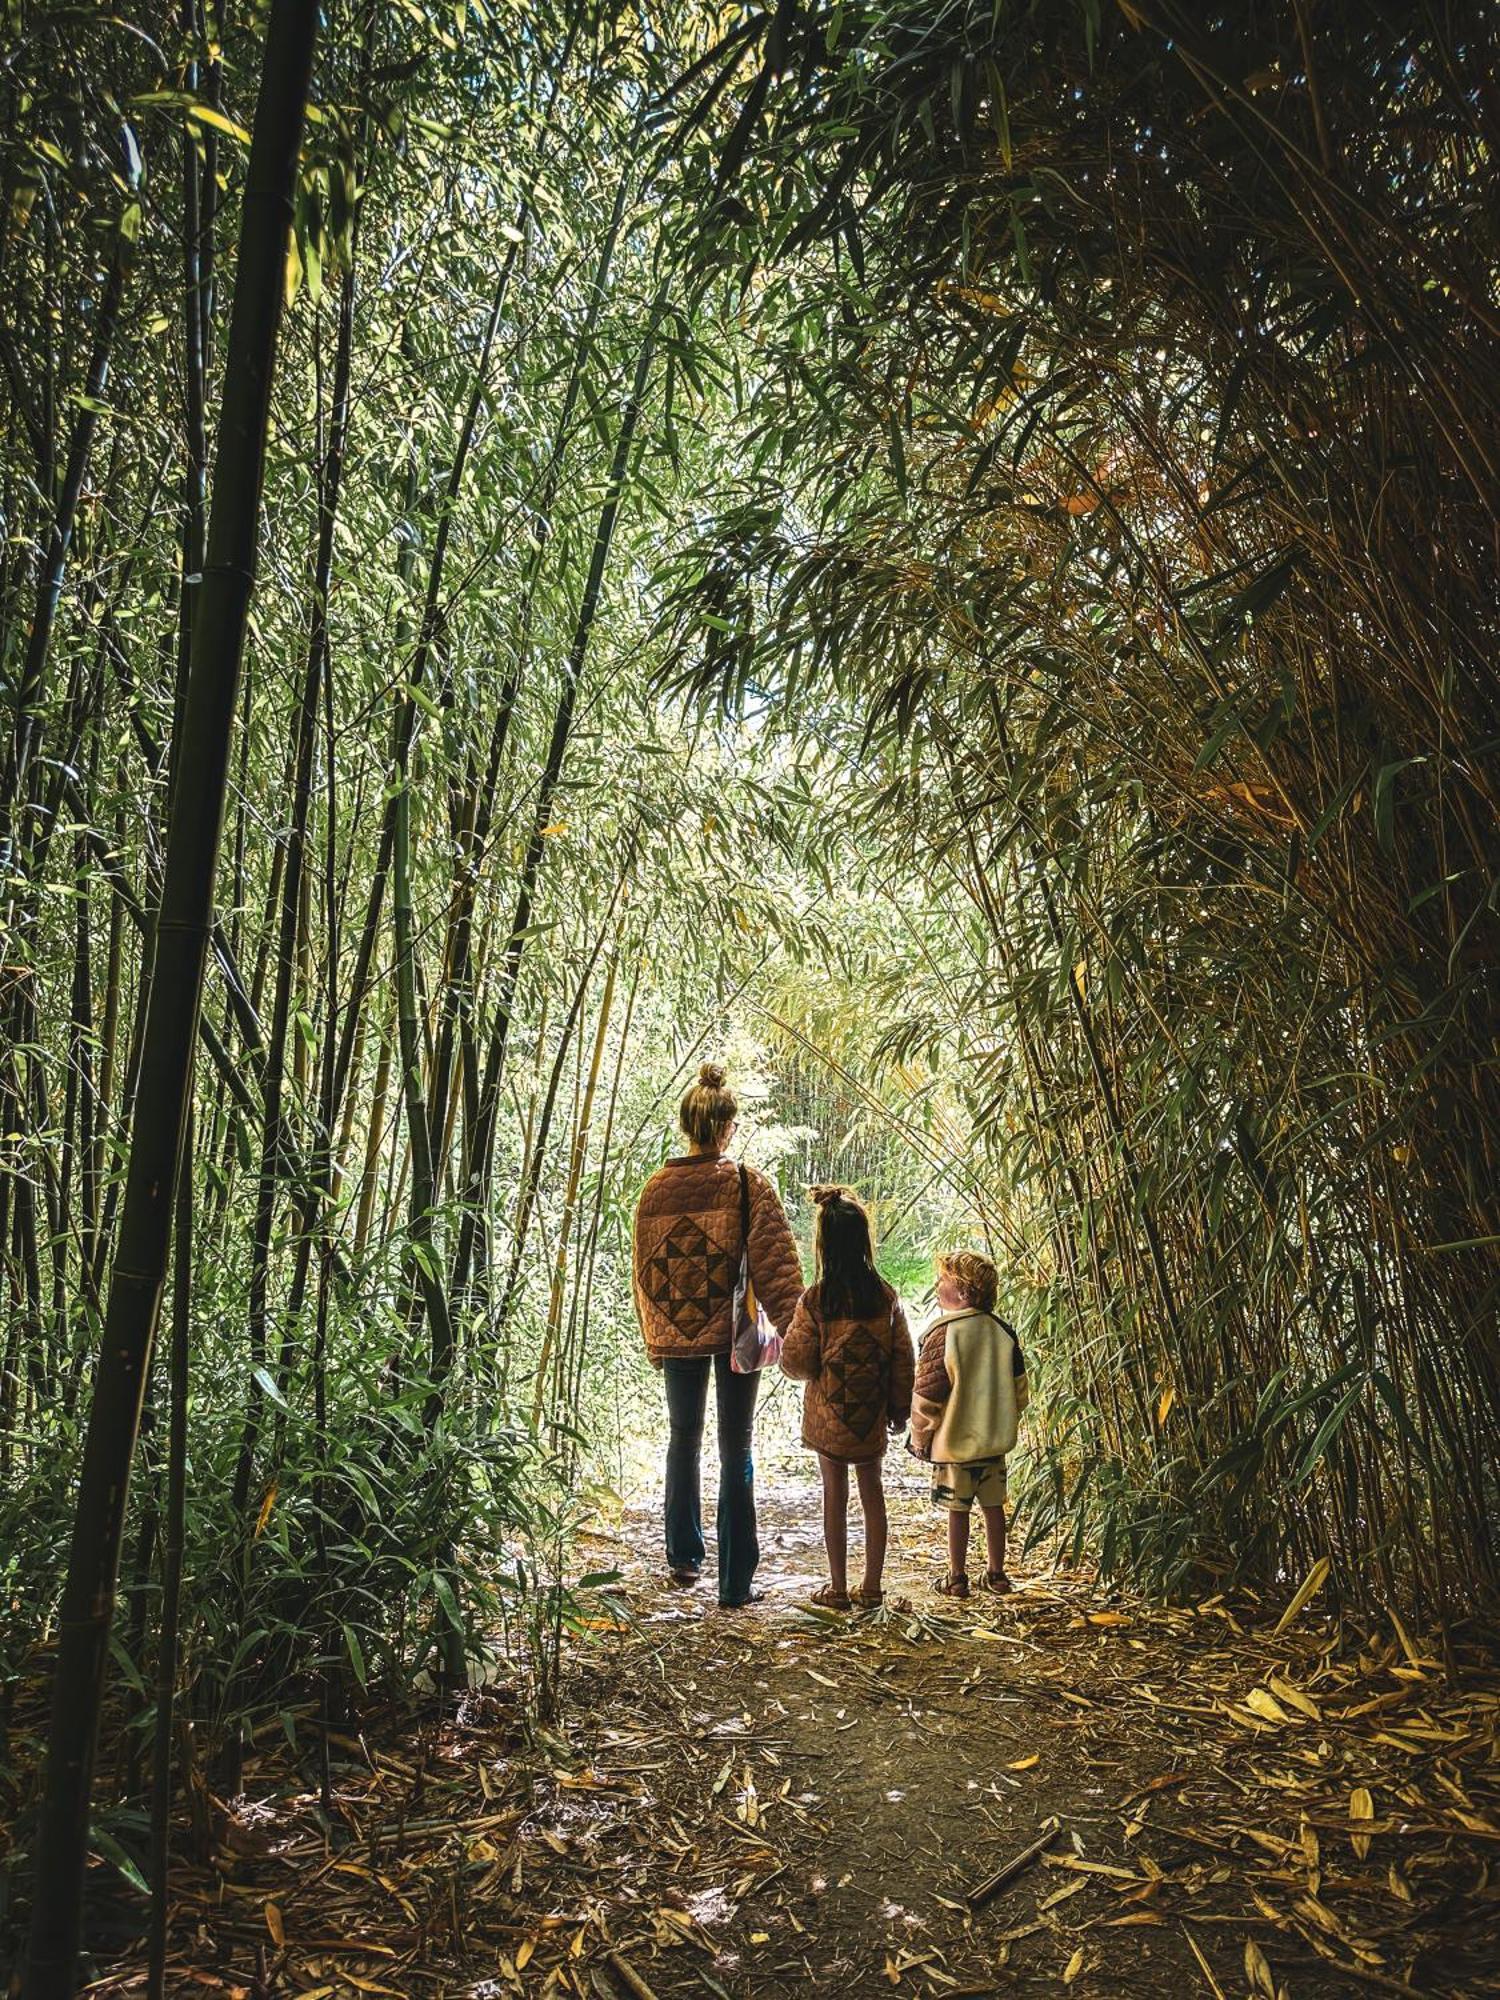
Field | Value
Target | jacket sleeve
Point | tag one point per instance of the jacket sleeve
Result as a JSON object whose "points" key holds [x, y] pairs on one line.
{"points": [[903, 1366], [1018, 1370], [801, 1354], [635, 1267], [932, 1388], [636, 1288], [775, 1268]]}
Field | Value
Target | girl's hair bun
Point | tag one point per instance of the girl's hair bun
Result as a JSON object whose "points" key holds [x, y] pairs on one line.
{"points": [[711, 1076], [823, 1195]]}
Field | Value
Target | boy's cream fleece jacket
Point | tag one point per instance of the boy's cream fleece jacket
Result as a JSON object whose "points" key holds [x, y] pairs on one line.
{"points": [[970, 1390]]}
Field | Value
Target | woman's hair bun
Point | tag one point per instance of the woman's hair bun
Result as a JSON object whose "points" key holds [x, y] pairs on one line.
{"points": [[823, 1195], [711, 1076]]}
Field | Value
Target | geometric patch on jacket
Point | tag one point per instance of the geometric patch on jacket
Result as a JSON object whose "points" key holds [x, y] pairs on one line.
{"points": [[688, 1277], [854, 1381]]}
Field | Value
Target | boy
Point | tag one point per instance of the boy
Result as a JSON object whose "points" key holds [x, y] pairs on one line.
{"points": [[970, 1392]]}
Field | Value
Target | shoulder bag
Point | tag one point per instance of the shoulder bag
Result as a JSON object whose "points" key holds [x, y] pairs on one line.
{"points": [[757, 1344]]}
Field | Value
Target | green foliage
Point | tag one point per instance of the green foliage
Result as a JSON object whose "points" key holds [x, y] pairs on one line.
{"points": [[1026, 698]]}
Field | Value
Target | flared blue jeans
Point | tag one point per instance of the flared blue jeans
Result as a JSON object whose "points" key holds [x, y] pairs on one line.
{"points": [[687, 1400]]}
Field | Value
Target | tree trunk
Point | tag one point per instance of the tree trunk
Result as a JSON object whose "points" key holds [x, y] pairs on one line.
{"points": [[171, 1571], [176, 996]]}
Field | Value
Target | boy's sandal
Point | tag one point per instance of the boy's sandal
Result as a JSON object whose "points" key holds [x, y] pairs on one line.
{"points": [[997, 1581], [867, 1600], [829, 1599], [952, 1586], [683, 1579]]}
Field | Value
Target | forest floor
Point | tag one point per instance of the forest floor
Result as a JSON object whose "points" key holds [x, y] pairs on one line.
{"points": [[773, 1802]]}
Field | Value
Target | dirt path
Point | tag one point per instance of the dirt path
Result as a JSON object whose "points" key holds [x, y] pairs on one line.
{"points": [[771, 1802], [837, 1786]]}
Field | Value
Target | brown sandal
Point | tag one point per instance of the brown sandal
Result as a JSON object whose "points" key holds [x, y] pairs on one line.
{"points": [[952, 1586], [867, 1600], [997, 1581], [829, 1599]]}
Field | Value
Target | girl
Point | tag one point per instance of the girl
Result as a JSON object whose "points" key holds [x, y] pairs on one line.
{"points": [[849, 1343]]}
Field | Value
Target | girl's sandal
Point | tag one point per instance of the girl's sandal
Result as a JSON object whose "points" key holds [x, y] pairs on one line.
{"points": [[829, 1599], [867, 1600], [952, 1586], [997, 1581]]}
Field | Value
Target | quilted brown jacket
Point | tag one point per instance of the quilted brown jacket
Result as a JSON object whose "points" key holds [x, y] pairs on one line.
{"points": [[687, 1256], [858, 1374]]}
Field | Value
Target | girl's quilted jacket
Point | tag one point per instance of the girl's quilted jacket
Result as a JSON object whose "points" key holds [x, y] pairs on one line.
{"points": [[858, 1374]]}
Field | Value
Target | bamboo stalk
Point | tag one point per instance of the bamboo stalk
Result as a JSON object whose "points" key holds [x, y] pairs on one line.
{"points": [[192, 849]]}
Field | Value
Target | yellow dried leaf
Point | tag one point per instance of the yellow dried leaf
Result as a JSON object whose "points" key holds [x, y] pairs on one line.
{"points": [[1308, 1589], [1074, 1967], [1061, 1895], [1164, 1407], [1245, 1720], [1258, 1970], [1361, 1807], [265, 1511], [523, 1953], [1295, 1698], [1262, 1702], [1320, 1915], [275, 1926], [1025, 1763], [1406, 1645]]}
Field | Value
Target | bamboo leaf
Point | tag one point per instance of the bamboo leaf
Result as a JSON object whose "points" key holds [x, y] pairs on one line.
{"points": [[1306, 1591]]}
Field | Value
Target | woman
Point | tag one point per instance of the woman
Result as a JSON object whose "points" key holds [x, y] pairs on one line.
{"points": [[689, 1239]]}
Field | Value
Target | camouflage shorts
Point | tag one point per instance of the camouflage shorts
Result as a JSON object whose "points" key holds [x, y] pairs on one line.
{"points": [[957, 1487]]}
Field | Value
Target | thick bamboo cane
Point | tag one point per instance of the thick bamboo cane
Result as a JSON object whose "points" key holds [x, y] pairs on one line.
{"points": [[172, 1018]]}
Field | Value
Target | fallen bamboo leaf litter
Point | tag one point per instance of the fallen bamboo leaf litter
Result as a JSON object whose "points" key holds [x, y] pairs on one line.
{"points": [[762, 1804]]}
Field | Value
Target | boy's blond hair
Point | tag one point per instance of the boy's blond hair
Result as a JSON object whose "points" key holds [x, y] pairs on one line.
{"points": [[973, 1277]]}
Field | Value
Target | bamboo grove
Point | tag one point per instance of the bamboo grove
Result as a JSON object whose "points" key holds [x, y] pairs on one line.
{"points": [[948, 546], [1149, 391]]}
